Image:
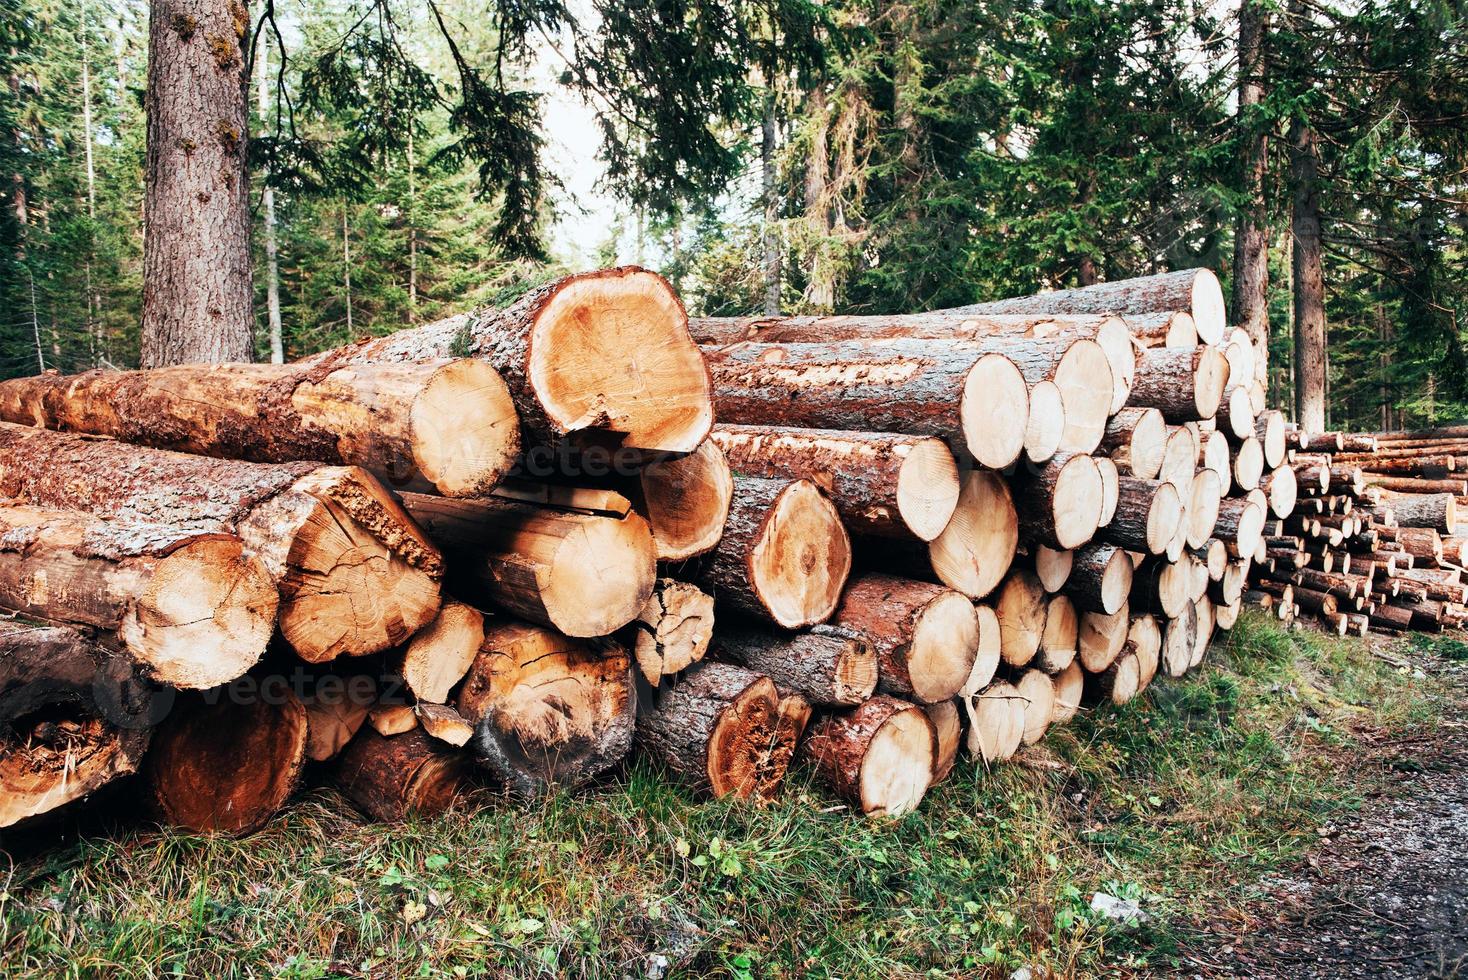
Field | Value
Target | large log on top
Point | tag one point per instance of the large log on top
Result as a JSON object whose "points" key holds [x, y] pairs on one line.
{"points": [[883, 484], [580, 573], [1193, 291], [328, 535], [548, 710], [957, 391], [1184, 384], [717, 728], [926, 637], [406, 775], [881, 756], [73, 718], [596, 358], [228, 764], [784, 555], [827, 665], [444, 425], [191, 610]]}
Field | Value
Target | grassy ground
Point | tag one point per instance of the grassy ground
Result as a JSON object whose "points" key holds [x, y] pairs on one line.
{"points": [[1181, 801]]}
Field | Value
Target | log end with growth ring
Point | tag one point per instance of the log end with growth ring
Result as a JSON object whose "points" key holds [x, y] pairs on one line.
{"points": [[465, 432], [1086, 386], [1164, 517], [1046, 427], [975, 550], [1121, 356], [585, 593], [1209, 317], [996, 718], [943, 648], [637, 373], [927, 488], [686, 501], [1210, 377], [802, 557], [994, 411], [881, 756], [1077, 501]]}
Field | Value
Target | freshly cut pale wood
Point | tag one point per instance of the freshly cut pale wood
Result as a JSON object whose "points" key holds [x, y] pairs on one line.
{"points": [[1193, 291], [1046, 426], [1052, 567], [1144, 640], [996, 717], [582, 574], [1248, 464], [1242, 357], [1216, 457], [975, 550], [1037, 692], [595, 357], [1148, 515], [1060, 503], [1185, 385], [1082, 372], [1110, 488], [883, 484], [1236, 411], [673, 630], [926, 637], [1119, 682], [1240, 526], [1213, 556], [784, 555], [1059, 636], [948, 728], [1136, 439], [986, 664], [227, 765], [880, 756], [444, 723], [1179, 637], [1161, 586], [438, 656], [957, 391], [1269, 430], [1167, 329], [1203, 622], [446, 425], [1204, 494], [192, 610], [326, 534], [336, 709], [1281, 488], [827, 665], [1180, 455], [392, 719], [685, 500], [404, 776], [1070, 686], [548, 710], [73, 718], [1101, 578], [1101, 638], [1021, 611]]}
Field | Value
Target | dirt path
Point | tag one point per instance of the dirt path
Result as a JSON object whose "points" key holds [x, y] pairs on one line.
{"points": [[1384, 896]]}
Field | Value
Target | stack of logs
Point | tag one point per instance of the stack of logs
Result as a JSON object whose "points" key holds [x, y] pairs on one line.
{"points": [[1373, 542], [503, 539]]}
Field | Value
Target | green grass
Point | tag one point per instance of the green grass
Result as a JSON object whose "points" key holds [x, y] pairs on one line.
{"points": [[1181, 800]]}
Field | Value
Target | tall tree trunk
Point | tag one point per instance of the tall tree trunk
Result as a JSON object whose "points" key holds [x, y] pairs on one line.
{"points": [[772, 206], [1309, 281], [94, 330], [272, 259], [347, 269], [1251, 237], [821, 291], [197, 289], [412, 228]]}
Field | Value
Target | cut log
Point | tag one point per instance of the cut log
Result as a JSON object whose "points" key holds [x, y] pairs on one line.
{"points": [[1236, 412], [1248, 464], [1203, 620], [1070, 685], [1269, 430], [827, 665], [1407, 484], [1135, 439], [1037, 692], [1205, 495], [1179, 638], [1110, 488], [438, 656], [1081, 370], [1217, 457], [591, 358], [996, 718], [1163, 587], [986, 664], [73, 718], [1279, 484], [1052, 567], [1240, 526], [1021, 612], [1144, 641], [1060, 503], [1101, 639], [977, 547], [881, 756], [1101, 578], [1227, 616], [411, 775], [673, 630], [444, 723], [392, 719], [1148, 515], [444, 425], [1179, 456], [230, 765], [327, 535], [1119, 682], [1046, 426], [1437, 511], [582, 574], [1214, 558], [948, 728], [1059, 637], [1166, 329], [548, 710], [892, 486], [1185, 385], [784, 555], [1193, 291], [685, 500], [957, 392], [191, 609], [926, 637], [336, 709]]}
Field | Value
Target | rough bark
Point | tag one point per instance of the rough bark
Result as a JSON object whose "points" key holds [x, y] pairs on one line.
{"points": [[881, 756], [401, 777], [1309, 281], [1251, 233], [1101, 578], [1435, 510], [197, 290], [925, 636], [1136, 439], [1060, 503], [827, 665], [1148, 514], [1184, 384]]}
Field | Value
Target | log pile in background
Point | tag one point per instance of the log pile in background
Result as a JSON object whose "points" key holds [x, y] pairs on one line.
{"points": [[909, 538]]}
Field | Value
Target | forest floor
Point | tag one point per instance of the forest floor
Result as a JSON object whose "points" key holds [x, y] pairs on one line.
{"points": [[1293, 809]]}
